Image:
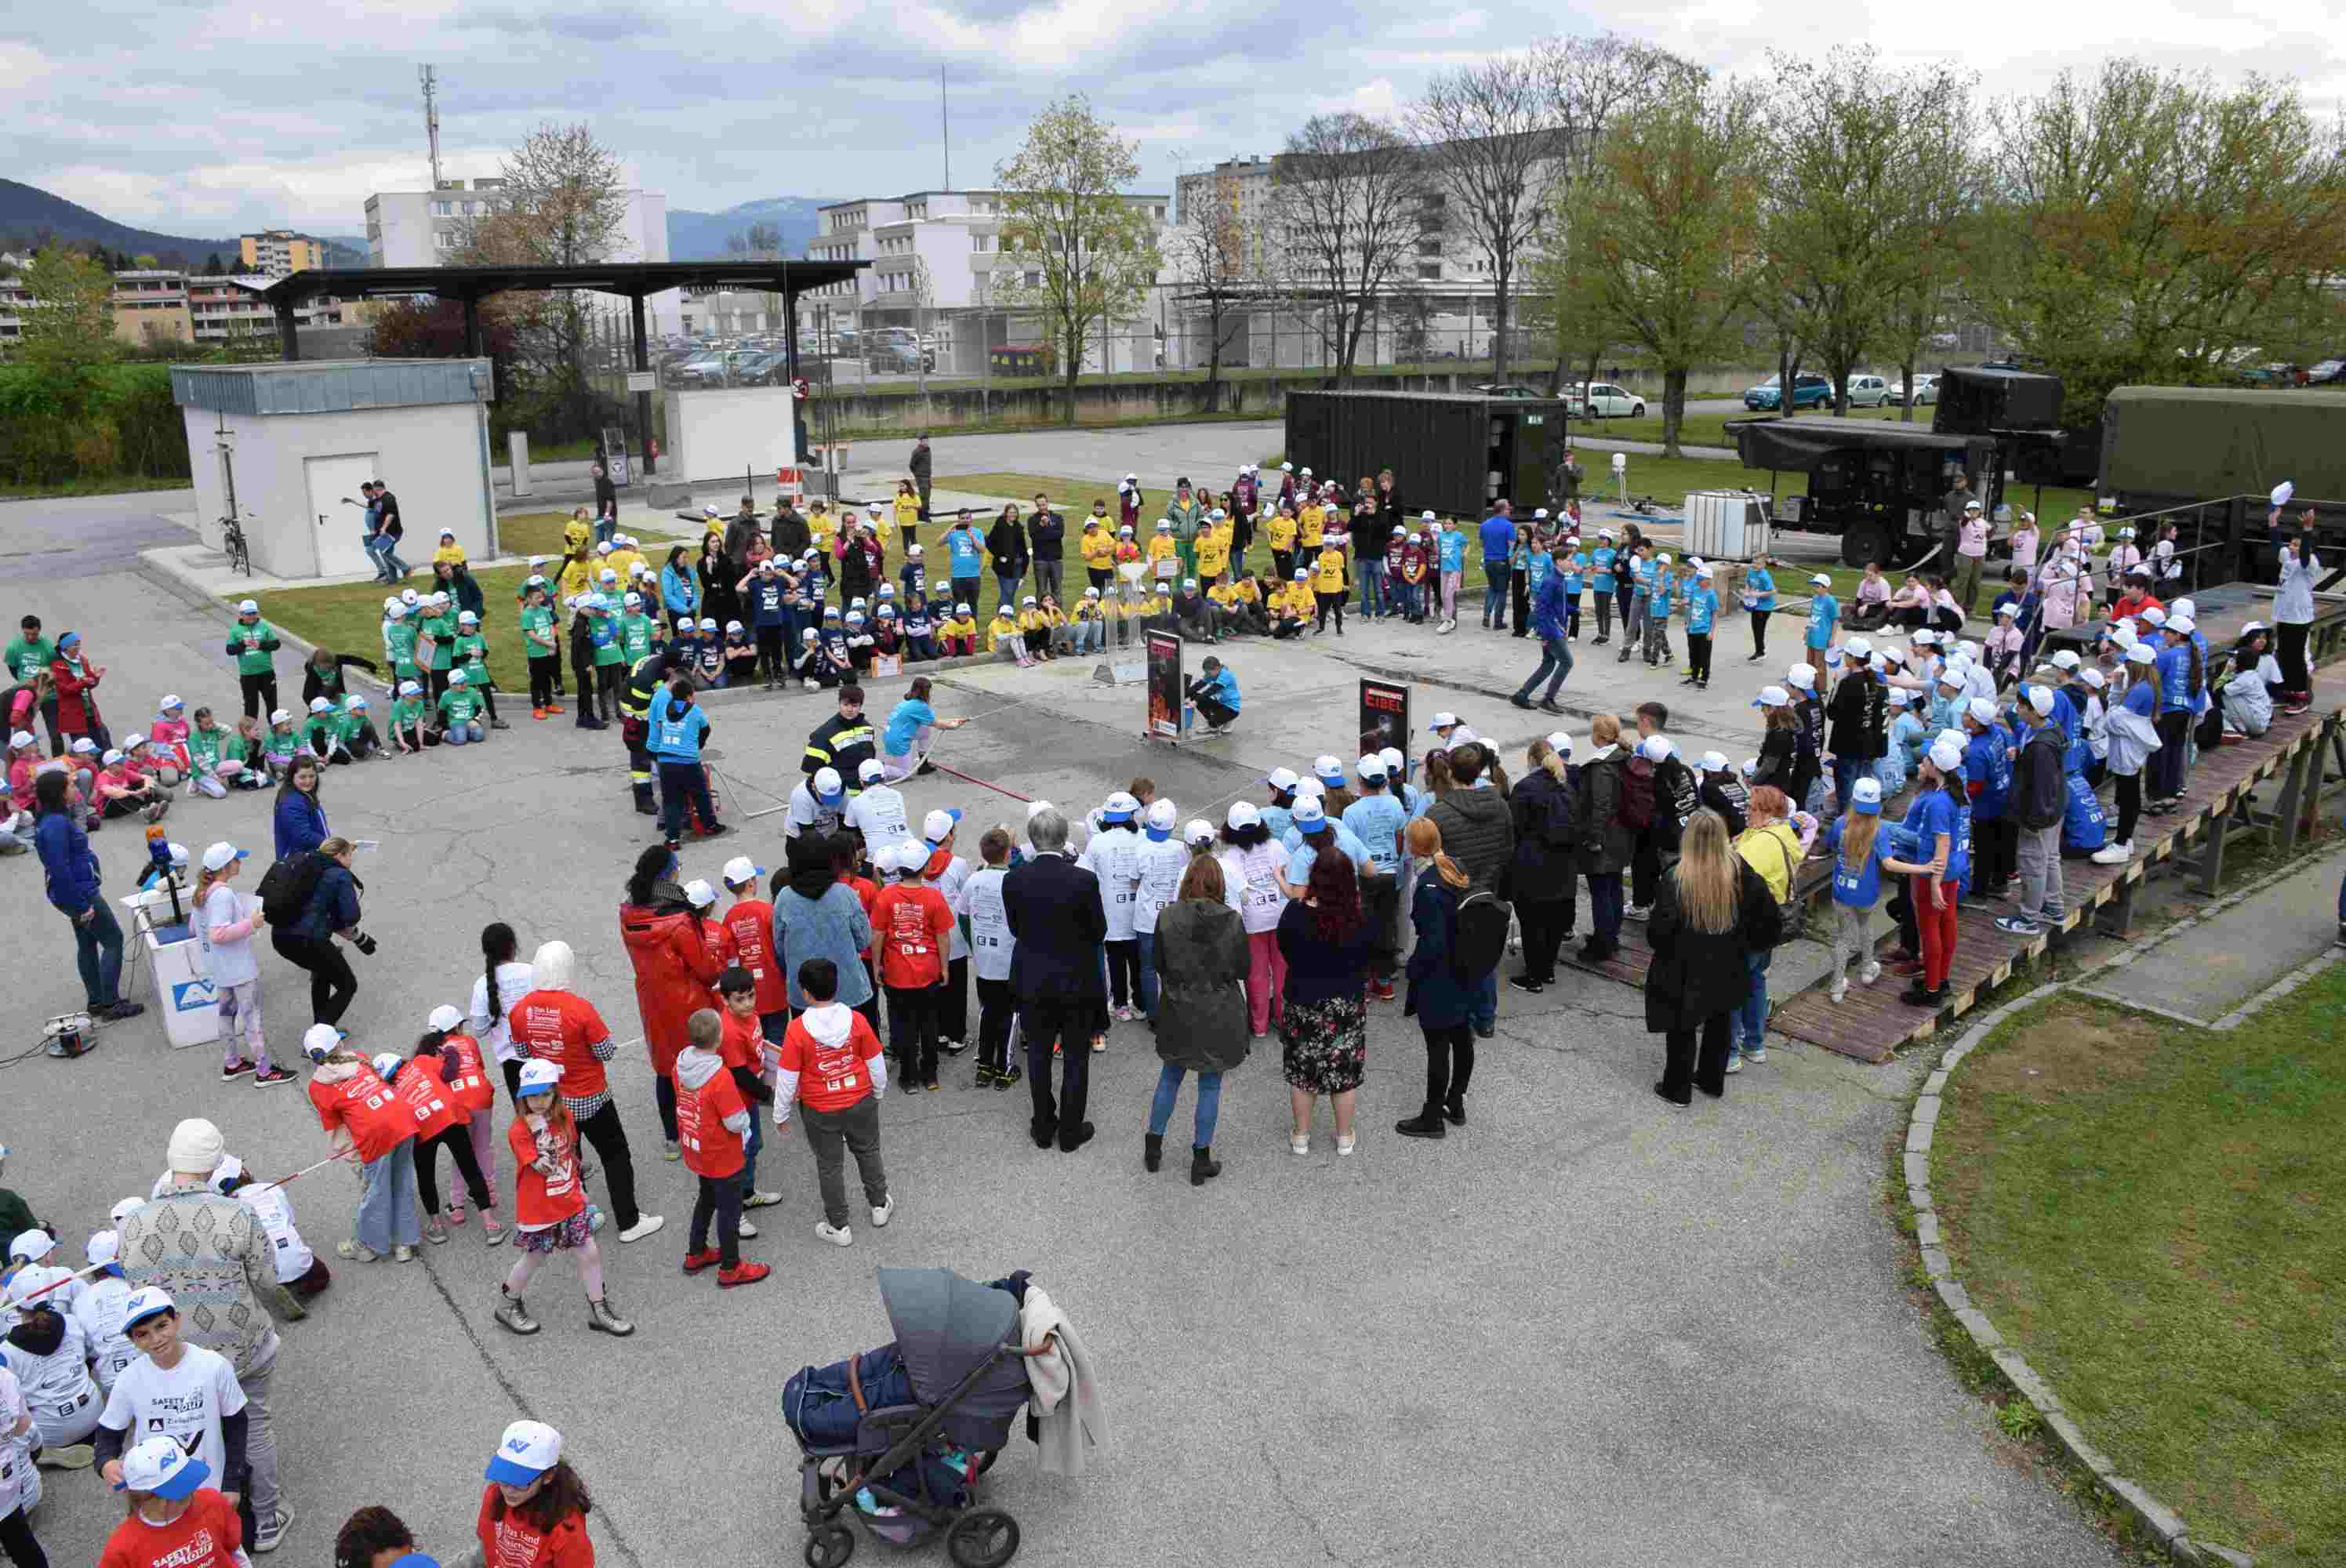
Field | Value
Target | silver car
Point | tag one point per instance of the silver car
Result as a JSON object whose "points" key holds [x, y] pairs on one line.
{"points": [[1926, 390]]}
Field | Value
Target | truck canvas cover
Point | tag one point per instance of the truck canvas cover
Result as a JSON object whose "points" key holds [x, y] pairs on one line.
{"points": [[1798, 445], [2203, 444]]}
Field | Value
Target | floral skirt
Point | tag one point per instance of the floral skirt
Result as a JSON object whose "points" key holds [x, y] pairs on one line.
{"points": [[562, 1236], [1324, 1045]]}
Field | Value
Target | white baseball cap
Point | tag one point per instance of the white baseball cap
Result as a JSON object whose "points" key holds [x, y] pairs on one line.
{"points": [[828, 784], [1393, 760], [939, 824], [870, 771], [1654, 748], [281, 717], [221, 855], [2182, 624], [741, 868], [1820, 580], [1857, 648], [1983, 710], [250, 607], [1198, 832], [1310, 789], [23, 737], [1242, 814], [1309, 813], [528, 1450], [537, 1076], [457, 678], [105, 1247], [1282, 780], [1370, 767], [2095, 680], [698, 893], [2140, 652], [31, 1245], [1325, 768], [321, 704], [1865, 796], [2040, 697], [1442, 721], [1712, 762], [160, 1466], [1561, 744], [1945, 755], [1803, 677]]}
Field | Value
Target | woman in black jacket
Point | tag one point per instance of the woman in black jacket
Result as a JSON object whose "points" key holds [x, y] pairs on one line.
{"points": [[1201, 957], [1005, 546], [1441, 999], [1542, 880], [321, 675], [1858, 712], [1606, 843], [718, 601], [1712, 912]]}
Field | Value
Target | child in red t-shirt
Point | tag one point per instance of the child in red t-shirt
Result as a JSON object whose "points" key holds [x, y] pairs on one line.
{"points": [[549, 1206], [752, 1060], [911, 922], [362, 1112], [752, 923], [533, 1510], [712, 1126], [832, 1066], [446, 1087], [175, 1521]]}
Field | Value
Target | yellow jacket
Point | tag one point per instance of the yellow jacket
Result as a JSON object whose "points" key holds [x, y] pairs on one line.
{"points": [[908, 510], [1280, 531], [1329, 573], [1310, 521], [1003, 626], [822, 528], [1098, 546]]}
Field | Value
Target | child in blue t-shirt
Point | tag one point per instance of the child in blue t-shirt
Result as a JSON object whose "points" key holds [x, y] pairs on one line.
{"points": [[1860, 850], [1600, 565], [920, 629], [1575, 568], [1661, 586], [1701, 610]]}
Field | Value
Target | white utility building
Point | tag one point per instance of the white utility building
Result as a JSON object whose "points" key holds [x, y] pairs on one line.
{"points": [[291, 444]]}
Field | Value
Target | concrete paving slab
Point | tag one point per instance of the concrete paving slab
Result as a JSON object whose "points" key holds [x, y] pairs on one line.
{"points": [[2207, 971], [1584, 1328]]}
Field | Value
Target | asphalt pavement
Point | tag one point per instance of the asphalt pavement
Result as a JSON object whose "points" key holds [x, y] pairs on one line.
{"points": [[1584, 1328]]}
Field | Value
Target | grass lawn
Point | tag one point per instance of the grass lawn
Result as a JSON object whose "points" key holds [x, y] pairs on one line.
{"points": [[2151, 1211], [105, 484], [540, 534]]}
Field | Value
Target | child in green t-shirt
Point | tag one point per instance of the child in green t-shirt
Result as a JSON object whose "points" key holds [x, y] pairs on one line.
{"points": [[207, 749], [407, 732], [399, 629], [440, 626], [459, 707], [637, 631], [473, 659], [354, 731], [282, 744], [240, 761], [541, 642], [321, 737]]}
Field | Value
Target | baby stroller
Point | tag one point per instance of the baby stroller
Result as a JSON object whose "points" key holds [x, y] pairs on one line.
{"points": [[898, 1437]]}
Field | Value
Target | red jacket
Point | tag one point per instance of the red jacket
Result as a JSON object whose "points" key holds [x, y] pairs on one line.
{"points": [[76, 704], [674, 973]]}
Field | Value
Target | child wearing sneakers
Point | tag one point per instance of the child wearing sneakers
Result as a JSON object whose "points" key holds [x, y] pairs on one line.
{"points": [[224, 923], [833, 1066], [990, 947], [749, 1055], [712, 1123], [1859, 849]]}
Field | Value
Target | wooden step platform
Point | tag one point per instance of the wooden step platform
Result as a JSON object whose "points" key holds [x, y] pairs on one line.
{"points": [[1872, 1023]]}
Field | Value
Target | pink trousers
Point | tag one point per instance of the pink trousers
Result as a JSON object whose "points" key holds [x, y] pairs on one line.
{"points": [[1266, 980]]}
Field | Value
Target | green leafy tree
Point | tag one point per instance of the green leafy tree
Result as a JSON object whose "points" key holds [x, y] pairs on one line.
{"points": [[1076, 252], [1662, 235], [1935, 221], [2147, 226]]}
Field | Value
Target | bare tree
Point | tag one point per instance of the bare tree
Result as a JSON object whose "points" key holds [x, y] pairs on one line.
{"points": [[1493, 146], [1345, 201], [1594, 83], [1939, 180], [1078, 253], [1214, 256]]}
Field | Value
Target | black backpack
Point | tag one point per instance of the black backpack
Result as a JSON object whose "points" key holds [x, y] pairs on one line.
{"points": [[1480, 941], [287, 885]]}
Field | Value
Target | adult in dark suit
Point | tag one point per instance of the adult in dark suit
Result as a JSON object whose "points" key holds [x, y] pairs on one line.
{"points": [[1057, 978]]}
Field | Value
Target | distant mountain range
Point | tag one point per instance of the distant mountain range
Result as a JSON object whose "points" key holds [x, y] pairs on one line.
{"points": [[701, 236], [29, 215]]}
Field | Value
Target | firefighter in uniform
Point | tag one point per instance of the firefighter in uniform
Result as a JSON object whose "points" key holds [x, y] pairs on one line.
{"points": [[644, 681]]}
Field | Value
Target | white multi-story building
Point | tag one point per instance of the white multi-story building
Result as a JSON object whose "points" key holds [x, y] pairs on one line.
{"points": [[424, 228]]}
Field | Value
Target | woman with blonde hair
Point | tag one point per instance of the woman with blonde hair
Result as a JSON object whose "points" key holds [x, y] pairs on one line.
{"points": [[1711, 913], [1441, 997], [1773, 843]]}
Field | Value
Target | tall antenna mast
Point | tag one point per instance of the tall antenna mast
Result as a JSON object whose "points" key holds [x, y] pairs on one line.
{"points": [[944, 115], [431, 119]]}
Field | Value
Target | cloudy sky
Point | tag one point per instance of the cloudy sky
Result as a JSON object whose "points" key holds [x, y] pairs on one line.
{"points": [[205, 119]]}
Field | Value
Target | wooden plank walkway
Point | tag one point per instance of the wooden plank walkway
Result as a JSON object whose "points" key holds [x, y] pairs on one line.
{"points": [[1873, 1024]]}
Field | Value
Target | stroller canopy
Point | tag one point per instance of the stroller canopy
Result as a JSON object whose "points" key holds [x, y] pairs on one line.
{"points": [[945, 1327]]}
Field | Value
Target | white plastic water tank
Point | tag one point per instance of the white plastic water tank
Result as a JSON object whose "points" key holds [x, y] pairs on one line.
{"points": [[1726, 525]]}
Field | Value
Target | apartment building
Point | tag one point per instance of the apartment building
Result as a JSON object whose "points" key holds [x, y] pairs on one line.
{"points": [[422, 228], [165, 305], [220, 311], [278, 253]]}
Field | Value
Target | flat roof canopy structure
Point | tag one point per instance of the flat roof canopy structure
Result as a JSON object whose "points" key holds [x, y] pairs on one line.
{"points": [[632, 280]]}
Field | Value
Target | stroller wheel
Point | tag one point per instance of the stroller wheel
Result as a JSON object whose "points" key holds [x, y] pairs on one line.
{"points": [[831, 1546], [983, 1538]]}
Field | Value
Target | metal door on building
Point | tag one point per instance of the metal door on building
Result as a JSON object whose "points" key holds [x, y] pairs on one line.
{"points": [[336, 527]]}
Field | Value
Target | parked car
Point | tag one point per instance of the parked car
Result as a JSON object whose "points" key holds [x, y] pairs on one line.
{"points": [[1510, 390], [2324, 372], [897, 349], [1808, 391], [1868, 391], [1602, 399], [1925, 390]]}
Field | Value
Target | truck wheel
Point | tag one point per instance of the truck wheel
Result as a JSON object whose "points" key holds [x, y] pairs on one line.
{"points": [[1865, 542]]}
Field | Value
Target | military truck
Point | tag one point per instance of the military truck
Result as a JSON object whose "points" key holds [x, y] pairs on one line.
{"points": [[1875, 483], [2169, 446]]}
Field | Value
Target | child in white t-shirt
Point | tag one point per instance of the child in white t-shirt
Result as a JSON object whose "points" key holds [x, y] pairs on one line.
{"points": [[100, 1312], [225, 922], [173, 1389]]}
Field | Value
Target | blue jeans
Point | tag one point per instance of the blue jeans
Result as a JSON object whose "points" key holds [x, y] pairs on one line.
{"points": [[605, 527], [1846, 772], [1210, 1104], [1557, 656], [1007, 585], [1486, 1012], [98, 953], [1145, 979], [1373, 586], [464, 734], [1750, 1020], [377, 548], [387, 1206], [1604, 906], [1494, 591], [749, 1148], [393, 566]]}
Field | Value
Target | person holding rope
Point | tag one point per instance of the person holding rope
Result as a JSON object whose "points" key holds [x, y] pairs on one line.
{"points": [[911, 728]]}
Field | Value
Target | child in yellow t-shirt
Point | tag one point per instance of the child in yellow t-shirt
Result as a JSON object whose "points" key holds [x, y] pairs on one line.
{"points": [[1161, 546], [1214, 553], [1328, 580], [1035, 627], [1280, 529], [1098, 547], [1311, 524], [822, 528], [1003, 635], [958, 634], [449, 550]]}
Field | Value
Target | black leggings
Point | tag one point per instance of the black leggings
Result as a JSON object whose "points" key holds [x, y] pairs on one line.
{"points": [[720, 1199], [1699, 655], [770, 657], [17, 1540], [608, 1137], [2296, 678], [995, 1008], [2174, 734], [1545, 925], [1331, 602], [545, 669], [331, 983], [1759, 632], [458, 1141], [2130, 805], [1124, 971], [260, 693], [1688, 1064], [584, 668], [1449, 1064]]}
